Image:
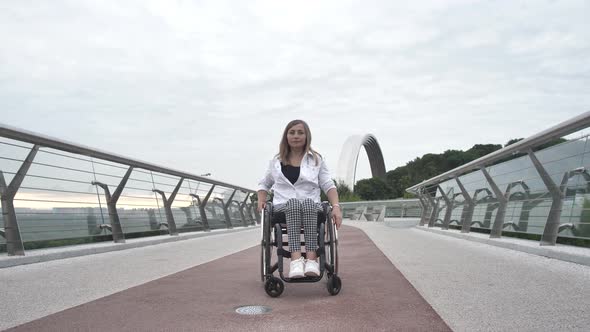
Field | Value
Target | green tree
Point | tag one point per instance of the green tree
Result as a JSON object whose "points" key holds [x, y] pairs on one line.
{"points": [[344, 193], [373, 189], [512, 141]]}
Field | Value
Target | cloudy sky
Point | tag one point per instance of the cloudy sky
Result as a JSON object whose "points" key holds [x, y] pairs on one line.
{"points": [[207, 86]]}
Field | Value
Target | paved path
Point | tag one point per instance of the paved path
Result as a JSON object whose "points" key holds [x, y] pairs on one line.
{"points": [[478, 287], [33, 291], [195, 285], [375, 296]]}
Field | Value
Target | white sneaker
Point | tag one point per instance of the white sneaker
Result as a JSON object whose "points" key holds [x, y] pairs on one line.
{"points": [[296, 268], [312, 268]]}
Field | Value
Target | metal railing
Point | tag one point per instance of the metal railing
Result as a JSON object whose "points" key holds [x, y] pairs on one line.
{"points": [[379, 210], [544, 192], [53, 190]]}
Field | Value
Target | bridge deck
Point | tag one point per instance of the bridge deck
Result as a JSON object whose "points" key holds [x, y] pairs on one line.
{"points": [[190, 285], [375, 296]]}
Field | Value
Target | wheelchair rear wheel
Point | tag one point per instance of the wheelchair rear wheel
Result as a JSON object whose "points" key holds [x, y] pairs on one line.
{"points": [[332, 247], [334, 283]]}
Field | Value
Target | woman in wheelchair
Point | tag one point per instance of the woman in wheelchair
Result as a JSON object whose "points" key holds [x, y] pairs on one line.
{"points": [[296, 174]]}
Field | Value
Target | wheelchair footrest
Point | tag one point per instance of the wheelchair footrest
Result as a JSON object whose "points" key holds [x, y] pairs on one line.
{"points": [[287, 254]]}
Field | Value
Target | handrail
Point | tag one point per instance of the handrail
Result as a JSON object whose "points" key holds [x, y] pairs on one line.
{"points": [[397, 200], [562, 129], [46, 141]]}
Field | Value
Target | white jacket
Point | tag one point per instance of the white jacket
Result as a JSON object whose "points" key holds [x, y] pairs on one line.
{"points": [[311, 179]]}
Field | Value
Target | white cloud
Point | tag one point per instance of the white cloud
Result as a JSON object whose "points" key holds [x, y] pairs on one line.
{"points": [[207, 86]]}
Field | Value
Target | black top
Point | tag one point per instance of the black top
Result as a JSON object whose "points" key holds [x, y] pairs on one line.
{"points": [[291, 172]]}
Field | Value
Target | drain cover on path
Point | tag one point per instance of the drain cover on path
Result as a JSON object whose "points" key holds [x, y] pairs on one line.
{"points": [[252, 309]]}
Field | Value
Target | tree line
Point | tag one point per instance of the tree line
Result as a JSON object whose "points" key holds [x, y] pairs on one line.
{"points": [[420, 169]]}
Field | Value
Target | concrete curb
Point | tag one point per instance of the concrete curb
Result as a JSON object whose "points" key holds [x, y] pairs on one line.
{"points": [[50, 254], [578, 255]]}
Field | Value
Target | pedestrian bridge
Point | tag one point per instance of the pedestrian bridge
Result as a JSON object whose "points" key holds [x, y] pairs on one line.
{"points": [[96, 241]]}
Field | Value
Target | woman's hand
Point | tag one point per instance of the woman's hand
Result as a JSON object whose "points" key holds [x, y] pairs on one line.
{"points": [[337, 216], [261, 200], [261, 205]]}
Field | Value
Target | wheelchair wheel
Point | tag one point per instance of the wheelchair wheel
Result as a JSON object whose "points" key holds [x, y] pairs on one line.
{"points": [[332, 248], [334, 285], [265, 245], [274, 287]]}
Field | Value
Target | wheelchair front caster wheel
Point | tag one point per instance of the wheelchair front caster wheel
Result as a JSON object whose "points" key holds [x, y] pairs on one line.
{"points": [[274, 287], [334, 285]]}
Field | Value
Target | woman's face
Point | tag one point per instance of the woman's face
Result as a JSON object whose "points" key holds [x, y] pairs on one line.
{"points": [[296, 136]]}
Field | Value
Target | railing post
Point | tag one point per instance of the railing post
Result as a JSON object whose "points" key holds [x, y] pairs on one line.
{"points": [[225, 207], [448, 209], [242, 205], [498, 225], [202, 205], [468, 207], [237, 204], [202, 213], [14, 242], [551, 230], [225, 213], [434, 213], [425, 207], [115, 227], [168, 207]]}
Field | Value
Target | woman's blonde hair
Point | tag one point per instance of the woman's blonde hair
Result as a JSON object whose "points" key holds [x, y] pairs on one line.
{"points": [[285, 149]]}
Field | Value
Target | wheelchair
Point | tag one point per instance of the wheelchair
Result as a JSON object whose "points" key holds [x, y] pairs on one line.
{"points": [[273, 227]]}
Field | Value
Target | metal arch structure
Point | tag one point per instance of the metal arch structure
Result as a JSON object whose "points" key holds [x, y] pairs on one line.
{"points": [[349, 158]]}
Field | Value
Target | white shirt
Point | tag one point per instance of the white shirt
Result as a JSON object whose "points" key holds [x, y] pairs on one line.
{"points": [[311, 179]]}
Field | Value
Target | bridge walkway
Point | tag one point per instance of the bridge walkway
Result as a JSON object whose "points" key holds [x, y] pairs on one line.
{"points": [[393, 279]]}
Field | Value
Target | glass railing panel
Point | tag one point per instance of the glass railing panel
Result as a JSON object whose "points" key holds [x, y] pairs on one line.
{"points": [[185, 209], [167, 184], [216, 216], [562, 158], [140, 209], [12, 155], [56, 200]]}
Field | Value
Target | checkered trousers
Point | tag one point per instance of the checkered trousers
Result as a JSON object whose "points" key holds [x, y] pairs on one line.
{"points": [[301, 213]]}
